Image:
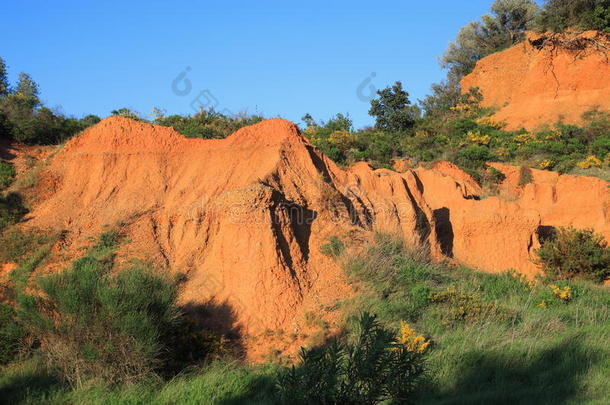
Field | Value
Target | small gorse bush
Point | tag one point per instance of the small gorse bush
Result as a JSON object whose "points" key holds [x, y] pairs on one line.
{"points": [[576, 253]]}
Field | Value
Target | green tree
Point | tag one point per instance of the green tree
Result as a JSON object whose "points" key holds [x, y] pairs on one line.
{"points": [[559, 15], [4, 86], [504, 27], [28, 89], [393, 111]]}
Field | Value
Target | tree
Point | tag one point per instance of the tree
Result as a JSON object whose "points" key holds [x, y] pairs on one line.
{"points": [[559, 15], [28, 89], [445, 95], [4, 86], [392, 110], [503, 28]]}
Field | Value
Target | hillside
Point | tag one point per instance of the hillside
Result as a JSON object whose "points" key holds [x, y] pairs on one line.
{"points": [[545, 79], [245, 217]]}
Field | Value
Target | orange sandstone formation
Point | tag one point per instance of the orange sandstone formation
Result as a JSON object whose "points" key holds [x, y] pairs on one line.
{"points": [[244, 217], [545, 79]]}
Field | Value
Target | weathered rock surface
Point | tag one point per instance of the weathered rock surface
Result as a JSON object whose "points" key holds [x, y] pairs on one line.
{"points": [[545, 79], [244, 217]]}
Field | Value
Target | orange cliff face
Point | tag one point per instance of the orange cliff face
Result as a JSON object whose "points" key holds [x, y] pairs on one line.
{"points": [[245, 217], [545, 79]]}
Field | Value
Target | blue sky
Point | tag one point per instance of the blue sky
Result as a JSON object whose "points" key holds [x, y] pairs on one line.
{"points": [[278, 58]]}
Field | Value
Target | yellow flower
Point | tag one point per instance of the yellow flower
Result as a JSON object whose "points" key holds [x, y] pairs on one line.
{"points": [[542, 304], [525, 138], [545, 164], [488, 121], [564, 294], [410, 340], [342, 139], [476, 137], [461, 107], [590, 161]]}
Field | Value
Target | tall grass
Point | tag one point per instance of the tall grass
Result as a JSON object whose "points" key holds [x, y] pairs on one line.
{"points": [[542, 349]]}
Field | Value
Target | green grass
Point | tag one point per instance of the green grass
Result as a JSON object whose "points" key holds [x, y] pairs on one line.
{"points": [[7, 174], [492, 340], [531, 354], [219, 383]]}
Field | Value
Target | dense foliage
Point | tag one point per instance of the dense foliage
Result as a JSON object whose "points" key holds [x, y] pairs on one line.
{"points": [[573, 252], [372, 368], [24, 118], [501, 29], [560, 15], [207, 124]]}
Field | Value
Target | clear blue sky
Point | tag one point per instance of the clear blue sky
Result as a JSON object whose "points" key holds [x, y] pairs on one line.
{"points": [[278, 58]]}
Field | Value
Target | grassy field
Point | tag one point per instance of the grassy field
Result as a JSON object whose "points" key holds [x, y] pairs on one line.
{"points": [[495, 339]]}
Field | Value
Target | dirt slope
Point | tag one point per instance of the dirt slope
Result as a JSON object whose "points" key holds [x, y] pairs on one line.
{"points": [[546, 78], [244, 217]]}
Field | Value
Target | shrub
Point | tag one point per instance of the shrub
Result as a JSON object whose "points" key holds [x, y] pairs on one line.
{"points": [[7, 174], [333, 248], [11, 334], [525, 176], [575, 253], [559, 15], [462, 307], [92, 323], [374, 367], [11, 209], [17, 244]]}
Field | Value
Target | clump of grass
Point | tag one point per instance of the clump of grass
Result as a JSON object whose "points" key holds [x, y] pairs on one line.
{"points": [[333, 248], [17, 244], [12, 209], [7, 174], [525, 176]]}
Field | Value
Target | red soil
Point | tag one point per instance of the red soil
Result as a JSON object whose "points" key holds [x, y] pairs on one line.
{"points": [[244, 217], [545, 79]]}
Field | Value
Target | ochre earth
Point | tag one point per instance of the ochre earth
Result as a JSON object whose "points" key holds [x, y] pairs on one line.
{"points": [[244, 217], [545, 79]]}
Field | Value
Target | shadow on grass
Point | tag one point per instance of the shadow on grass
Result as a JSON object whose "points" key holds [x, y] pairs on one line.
{"points": [[260, 391], [24, 388], [552, 376]]}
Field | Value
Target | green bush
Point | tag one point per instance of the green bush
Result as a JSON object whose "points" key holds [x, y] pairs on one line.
{"points": [[17, 244], [333, 248], [7, 174], [11, 333], [94, 323], [11, 209], [559, 15], [206, 124], [575, 253], [461, 307], [23, 117], [368, 370]]}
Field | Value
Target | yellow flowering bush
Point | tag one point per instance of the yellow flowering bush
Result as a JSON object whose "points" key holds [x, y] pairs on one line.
{"points": [[468, 308], [409, 339], [553, 136], [525, 138], [564, 294], [590, 161], [545, 164], [342, 139], [311, 133], [461, 108], [488, 121], [477, 138]]}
